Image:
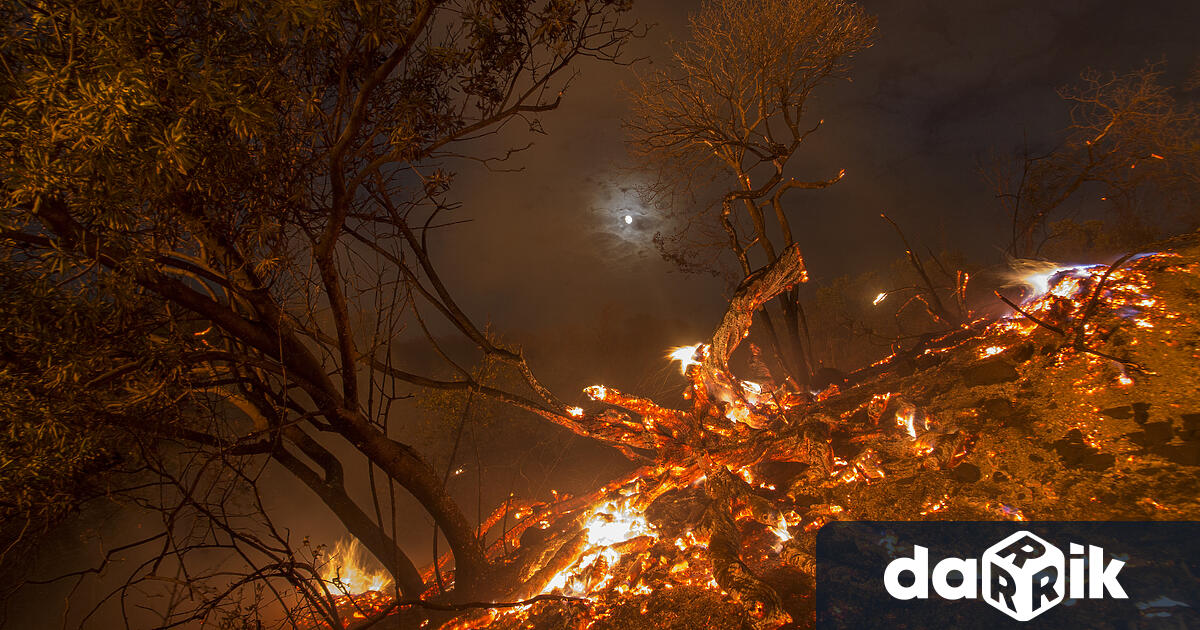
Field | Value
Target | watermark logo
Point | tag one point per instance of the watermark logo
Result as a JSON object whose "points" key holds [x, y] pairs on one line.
{"points": [[1023, 575]]}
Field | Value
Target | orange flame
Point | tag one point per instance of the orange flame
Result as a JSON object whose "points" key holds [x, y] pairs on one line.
{"points": [[347, 569], [905, 417]]}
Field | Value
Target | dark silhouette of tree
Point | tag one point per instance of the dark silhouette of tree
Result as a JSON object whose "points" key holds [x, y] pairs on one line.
{"points": [[1130, 155], [732, 106]]}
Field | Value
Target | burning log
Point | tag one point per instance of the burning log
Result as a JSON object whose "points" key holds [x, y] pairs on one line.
{"points": [[566, 555], [754, 292], [725, 545]]}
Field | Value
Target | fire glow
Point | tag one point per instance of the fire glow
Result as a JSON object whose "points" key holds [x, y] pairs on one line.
{"points": [[346, 570], [1038, 276], [686, 356], [610, 553], [609, 524]]}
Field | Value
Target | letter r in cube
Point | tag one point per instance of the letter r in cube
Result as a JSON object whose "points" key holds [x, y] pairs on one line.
{"points": [[1023, 575]]}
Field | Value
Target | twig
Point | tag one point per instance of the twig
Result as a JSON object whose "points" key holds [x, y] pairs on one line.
{"points": [[1090, 309], [1078, 345], [1030, 317], [936, 310]]}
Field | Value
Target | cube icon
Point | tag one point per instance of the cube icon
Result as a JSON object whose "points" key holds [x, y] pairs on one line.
{"points": [[1023, 575]]}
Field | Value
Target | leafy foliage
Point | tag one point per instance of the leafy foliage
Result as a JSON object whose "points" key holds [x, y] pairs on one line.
{"points": [[78, 374]]}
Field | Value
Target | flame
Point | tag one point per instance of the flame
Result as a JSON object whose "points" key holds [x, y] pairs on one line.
{"points": [[346, 568], [576, 412], [686, 356], [615, 523], [1010, 512], [931, 506], [596, 392], [1038, 275], [610, 523], [780, 529], [906, 418]]}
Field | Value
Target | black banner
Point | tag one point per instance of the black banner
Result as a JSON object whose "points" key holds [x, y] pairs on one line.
{"points": [[942, 575]]}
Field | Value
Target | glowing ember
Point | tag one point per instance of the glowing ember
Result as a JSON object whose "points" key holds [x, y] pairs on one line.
{"points": [[879, 298], [991, 351], [596, 392], [576, 412]]}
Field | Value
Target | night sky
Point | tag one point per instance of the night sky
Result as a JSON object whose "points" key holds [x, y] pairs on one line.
{"points": [[946, 83]]}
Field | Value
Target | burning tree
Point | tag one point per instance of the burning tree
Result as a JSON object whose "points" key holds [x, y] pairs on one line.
{"points": [[733, 103]]}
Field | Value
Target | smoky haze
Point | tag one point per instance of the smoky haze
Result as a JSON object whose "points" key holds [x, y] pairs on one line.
{"points": [[946, 84], [550, 260]]}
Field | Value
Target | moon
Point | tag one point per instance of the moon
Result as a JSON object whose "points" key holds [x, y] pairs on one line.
{"points": [[622, 227]]}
